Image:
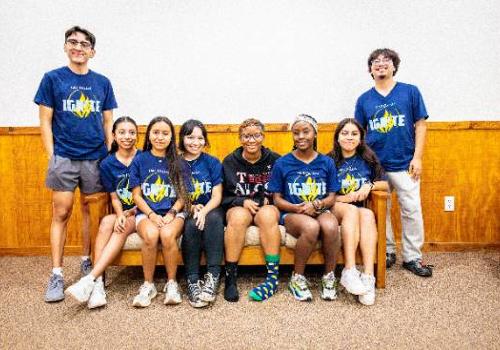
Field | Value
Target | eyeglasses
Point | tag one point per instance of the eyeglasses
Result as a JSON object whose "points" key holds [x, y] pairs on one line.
{"points": [[74, 43], [383, 60], [256, 137]]}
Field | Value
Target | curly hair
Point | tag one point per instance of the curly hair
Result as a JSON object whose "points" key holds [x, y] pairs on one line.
{"points": [[388, 53]]}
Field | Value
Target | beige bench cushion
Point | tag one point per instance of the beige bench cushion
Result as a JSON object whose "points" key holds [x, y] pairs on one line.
{"points": [[252, 238]]}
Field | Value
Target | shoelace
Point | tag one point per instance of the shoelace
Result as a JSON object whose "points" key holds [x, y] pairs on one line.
{"points": [[194, 288], [209, 285], [301, 281], [329, 280], [144, 290], [54, 282]]}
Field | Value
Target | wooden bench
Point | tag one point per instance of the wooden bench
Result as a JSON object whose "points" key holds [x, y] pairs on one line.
{"points": [[252, 253]]}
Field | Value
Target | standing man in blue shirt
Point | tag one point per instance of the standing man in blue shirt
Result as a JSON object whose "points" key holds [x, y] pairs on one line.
{"points": [[394, 116], [76, 116]]}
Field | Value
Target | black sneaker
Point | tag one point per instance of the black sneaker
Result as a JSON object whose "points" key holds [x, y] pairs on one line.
{"points": [[418, 268], [230, 288], [194, 291], [390, 259]]}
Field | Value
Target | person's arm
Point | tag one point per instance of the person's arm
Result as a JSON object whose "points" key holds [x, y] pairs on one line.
{"points": [[120, 214], [176, 208], [46, 114], [145, 208], [108, 127], [415, 169]]}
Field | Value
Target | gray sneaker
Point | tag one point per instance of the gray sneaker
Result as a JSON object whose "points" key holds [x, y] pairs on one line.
{"points": [[85, 267], [55, 289]]}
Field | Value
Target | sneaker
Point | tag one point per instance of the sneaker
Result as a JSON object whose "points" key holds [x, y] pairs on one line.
{"points": [[55, 289], [352, 282], [369, 297], [329, 285], [81, 290], [230, 288], [418, 268], [98, 296], [390, 259], [147, 292], [85, 267], [209, 289], [299, 287], [193, 293], [172, 295]]}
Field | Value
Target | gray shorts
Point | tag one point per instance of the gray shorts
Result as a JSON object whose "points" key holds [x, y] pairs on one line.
{"points": [[65, 174]]}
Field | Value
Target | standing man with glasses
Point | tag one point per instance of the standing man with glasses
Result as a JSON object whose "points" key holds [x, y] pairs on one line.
{"points": [[394, 116], [76, 116]]}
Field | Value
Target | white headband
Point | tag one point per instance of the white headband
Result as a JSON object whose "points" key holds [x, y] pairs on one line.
{"points": [[306, 118]]}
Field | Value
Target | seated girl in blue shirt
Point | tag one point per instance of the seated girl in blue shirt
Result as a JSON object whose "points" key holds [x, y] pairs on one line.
{"points": [[359, 172], [114, 228]]}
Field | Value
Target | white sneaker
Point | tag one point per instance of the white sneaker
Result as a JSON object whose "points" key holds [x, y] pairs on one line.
{"points": [[299, 287], [81, 290], [369, 282], [352, 282], [98, 296], [172, 295], [329, 284], [147, 292]]}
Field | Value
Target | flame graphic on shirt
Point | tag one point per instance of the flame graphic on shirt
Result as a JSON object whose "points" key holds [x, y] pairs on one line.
{"points": [[197, 190], [310, 191], [387, 122], [352, 184], [123, 192], [160, 185], [84, 107]]}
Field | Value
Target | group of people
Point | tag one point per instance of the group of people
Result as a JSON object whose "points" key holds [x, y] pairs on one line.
{"points": [[171, 189]]}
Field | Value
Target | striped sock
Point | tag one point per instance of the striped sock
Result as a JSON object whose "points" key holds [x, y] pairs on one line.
{"points": [[266, 289]]}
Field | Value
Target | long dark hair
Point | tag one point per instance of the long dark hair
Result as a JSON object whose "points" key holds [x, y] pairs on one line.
{"points": [[362, 150], [187, 129], [124, 119], [177, 172]]}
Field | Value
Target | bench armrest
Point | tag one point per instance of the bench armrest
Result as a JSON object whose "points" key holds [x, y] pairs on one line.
{"points": [[377, 202]]}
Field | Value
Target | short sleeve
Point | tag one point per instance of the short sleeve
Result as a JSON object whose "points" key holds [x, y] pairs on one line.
{"points": [[106, 178], [359, 115], [135, 175], [215, 172], [418, 105], [333, 184], [109, 100], [45, 94], [275, 184]]}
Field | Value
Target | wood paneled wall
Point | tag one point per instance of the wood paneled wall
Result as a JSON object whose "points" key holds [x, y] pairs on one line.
{"points": [[461, 159]]}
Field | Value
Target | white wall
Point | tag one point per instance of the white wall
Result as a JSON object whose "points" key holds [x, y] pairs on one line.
{"points": [[222, 61]]}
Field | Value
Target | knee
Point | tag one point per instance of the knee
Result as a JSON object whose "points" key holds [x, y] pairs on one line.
{"points": [[310, 231], [107, 223], [215, 218], [239, 217], [267, 216], [366, 215], [61, 213], [168, 238], [150, 237]]}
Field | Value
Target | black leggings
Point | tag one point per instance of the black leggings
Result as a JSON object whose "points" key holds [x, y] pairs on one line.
{"points": [[211, 239]]}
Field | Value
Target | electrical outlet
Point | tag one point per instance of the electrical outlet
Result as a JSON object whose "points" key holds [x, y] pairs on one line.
{"points": [[449, 203]]}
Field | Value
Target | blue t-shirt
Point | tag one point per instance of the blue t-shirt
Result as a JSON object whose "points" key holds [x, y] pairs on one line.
{"points": [[152, 174], [206, 173], [353, 173], [390, 123], [301, 182], [115, 177], [78, 102]]}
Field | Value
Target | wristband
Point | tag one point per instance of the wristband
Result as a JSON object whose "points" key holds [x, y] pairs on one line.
{"points": [[151, 212], [173, 211]]}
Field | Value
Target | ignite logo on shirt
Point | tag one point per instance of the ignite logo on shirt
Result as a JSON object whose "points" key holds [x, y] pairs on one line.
{"points": [[350, 183], [123, 190], [200, 188], [385, 118], [155, 189], [307, 188], [80, 104]]}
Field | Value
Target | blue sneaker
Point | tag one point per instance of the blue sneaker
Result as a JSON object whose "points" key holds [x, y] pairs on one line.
{"points": [[85, 267], [55, 289], [299, 287]]}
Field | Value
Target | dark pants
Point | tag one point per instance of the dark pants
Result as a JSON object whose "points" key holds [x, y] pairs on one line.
{"points": [[211, 239]]}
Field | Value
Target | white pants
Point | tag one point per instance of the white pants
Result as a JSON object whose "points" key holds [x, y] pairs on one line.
{"points": [[408, 191]]}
